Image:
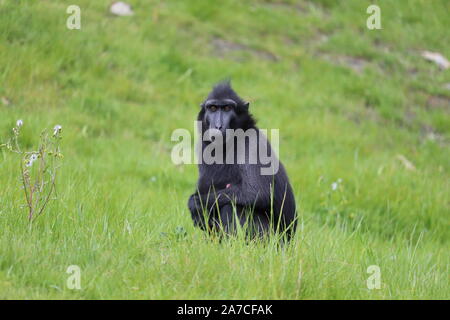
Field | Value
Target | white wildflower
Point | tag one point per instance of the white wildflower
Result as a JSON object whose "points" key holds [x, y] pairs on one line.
{"points": [[19, 123], [57, 129], [32, 159], [336, 184]]}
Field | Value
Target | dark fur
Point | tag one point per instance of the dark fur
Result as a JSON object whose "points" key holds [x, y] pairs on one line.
{"points": [[250, 194]]}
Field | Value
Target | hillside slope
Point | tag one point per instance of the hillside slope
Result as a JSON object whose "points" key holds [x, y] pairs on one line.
{"points": [[351, 104]]}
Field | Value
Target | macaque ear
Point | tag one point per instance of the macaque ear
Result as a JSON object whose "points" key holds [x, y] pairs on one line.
{"points": [[246, 105], [202, 105]]}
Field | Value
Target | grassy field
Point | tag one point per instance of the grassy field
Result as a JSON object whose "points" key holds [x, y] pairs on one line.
{"points": [[351, 103]]}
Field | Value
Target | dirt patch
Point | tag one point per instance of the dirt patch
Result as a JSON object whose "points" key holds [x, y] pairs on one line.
{"points": [[410, 116], [438, 103], [301, 7], [320, 38], [431, 134], [298, 7], [381, 46], [224, 48], [365, 113], [316, 40], [357, 64]]}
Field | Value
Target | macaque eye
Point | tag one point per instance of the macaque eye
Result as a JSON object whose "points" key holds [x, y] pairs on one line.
{"points": [[227, 108], [213, 108]]}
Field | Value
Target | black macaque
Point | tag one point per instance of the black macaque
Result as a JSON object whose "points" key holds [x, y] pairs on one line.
{"points": [[234, 191]]}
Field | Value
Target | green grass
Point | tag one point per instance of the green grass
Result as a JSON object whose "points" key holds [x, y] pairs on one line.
{"points": [[121, 85]]}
